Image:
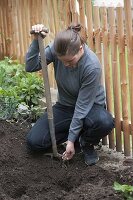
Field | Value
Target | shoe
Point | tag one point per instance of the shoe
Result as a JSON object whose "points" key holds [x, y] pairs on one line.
{"points": [[98, 146], [90, 155]]}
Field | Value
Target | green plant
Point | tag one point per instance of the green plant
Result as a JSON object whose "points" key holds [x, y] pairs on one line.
{"points": [[18, 87], [30, 89], [8, 103], [126, 190], [36, 112]]}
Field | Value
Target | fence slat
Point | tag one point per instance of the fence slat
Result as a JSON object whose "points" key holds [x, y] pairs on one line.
{"points": [[56, 16], [68, 13], [51, 20], [3, 28], [128, 23], [74, 11], [115, 75], [98, 45], [97, 33], [124, 83], [89, 24], [107, 69], [2, 41], [83, 19]]}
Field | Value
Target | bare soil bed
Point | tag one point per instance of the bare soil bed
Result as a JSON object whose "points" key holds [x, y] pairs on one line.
{"points": [[25, 176]]}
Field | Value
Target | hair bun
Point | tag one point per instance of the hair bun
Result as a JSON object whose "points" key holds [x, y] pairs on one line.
{"points": [[76, 28]]}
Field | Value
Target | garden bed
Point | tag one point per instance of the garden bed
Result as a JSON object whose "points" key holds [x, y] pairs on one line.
{"points": [[25, 176]]}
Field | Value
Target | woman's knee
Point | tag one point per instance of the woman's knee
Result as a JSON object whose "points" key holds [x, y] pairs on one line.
{"points": [[100, 120], [37, 142], [106, 122], [31, 141]]}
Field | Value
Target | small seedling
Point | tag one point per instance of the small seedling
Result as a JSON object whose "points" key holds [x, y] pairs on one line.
{"points": [[126, 190]]}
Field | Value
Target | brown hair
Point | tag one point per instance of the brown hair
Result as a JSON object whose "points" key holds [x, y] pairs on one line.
{"points": [[68, 42]]}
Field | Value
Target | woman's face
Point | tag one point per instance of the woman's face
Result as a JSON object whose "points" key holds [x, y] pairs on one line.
{"points": [[71, 61]]}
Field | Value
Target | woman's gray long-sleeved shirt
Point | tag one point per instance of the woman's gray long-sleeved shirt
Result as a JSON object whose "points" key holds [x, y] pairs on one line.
{"points": [[79, 87]]}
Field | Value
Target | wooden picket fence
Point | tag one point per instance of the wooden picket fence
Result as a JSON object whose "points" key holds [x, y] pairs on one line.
{"points": [[109, 35]]}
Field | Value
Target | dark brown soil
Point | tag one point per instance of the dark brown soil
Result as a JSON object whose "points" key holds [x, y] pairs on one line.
{"points": [[25, 176]]}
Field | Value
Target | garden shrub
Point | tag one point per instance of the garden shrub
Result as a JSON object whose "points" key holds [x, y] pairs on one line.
{"points": [[19, 89]]}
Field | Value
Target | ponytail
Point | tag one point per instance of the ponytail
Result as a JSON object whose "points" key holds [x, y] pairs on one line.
{"points": [[76, 28]]}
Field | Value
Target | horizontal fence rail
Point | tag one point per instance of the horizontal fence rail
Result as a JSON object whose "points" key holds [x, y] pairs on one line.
{"points": [[108, 32]]}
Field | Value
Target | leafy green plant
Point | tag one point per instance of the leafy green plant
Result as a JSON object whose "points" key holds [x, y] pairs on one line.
{"points": [[8, 103], [30, 89], [18, 87], [126, 190], [36, 112]]}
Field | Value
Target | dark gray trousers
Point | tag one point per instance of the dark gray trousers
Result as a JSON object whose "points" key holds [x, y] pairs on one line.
{"points": [[97, 124]]}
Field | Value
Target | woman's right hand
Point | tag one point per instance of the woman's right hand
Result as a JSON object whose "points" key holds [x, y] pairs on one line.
{"points": [[39, 28], [70, 151]]}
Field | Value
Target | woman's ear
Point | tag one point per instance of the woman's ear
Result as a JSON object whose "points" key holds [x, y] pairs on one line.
{"points": [[81, 47]]}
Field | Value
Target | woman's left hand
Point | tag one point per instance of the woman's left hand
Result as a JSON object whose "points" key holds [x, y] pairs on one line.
{"points": [[70, 151]]}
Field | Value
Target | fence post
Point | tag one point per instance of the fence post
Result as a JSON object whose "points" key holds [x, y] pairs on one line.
{"points": [[115, 74], [74, 11], [123, 78], [82, 18], [128, 23], [107, 69], [89, 24]]}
